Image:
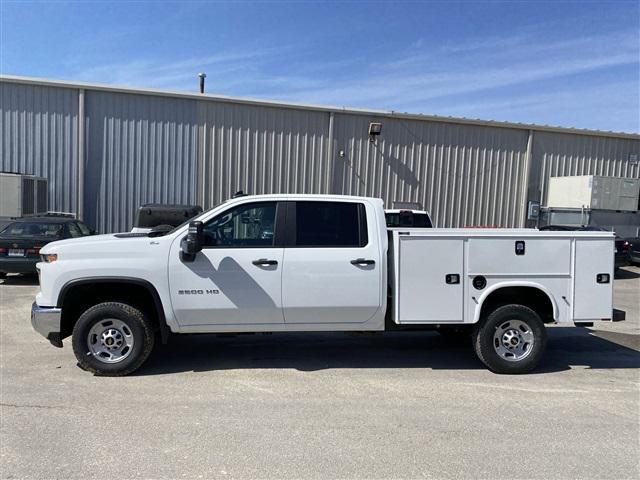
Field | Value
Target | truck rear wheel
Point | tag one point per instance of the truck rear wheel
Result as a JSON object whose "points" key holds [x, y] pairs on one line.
{"points": [[112, 339], [512, 339]]}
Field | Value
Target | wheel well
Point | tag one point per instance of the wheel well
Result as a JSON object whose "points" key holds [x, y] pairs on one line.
{"points": [[76, 298], [531, 297]]}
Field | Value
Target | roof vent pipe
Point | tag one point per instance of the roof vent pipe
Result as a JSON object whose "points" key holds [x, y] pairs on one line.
{"points": [[202, 76]]}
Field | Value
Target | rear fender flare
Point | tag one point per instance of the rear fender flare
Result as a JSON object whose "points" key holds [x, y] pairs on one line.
{"points": [[498, 286]]}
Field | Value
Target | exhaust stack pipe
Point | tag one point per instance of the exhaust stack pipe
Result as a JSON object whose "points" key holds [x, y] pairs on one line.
{"points": [[202, 76]]}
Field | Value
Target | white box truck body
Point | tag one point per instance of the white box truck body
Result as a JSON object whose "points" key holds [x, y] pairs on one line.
{"points": [[594, 192]]}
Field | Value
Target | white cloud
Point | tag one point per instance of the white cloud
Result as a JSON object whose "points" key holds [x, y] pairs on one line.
{"points": [[608, 106], [439, 74], [509, 74], [178, 73]]}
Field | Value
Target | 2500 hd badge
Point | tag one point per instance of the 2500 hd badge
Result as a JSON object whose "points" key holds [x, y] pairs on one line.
{"points": [[199, 292]]}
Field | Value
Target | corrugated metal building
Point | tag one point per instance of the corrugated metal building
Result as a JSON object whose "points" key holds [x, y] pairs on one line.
{"points": [[106, 150]]}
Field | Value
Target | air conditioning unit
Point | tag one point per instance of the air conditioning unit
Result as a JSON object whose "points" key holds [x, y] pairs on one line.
{"points": [[22, 195]]}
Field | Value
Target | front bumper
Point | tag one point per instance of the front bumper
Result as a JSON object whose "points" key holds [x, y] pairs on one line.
{"points": [[46, 321], [18, 264]]}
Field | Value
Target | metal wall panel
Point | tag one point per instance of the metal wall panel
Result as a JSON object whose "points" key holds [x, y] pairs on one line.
{"points": [[39, 136], [563, 154], [139, 149], [143, 147], [464, 175], [262, 150]]}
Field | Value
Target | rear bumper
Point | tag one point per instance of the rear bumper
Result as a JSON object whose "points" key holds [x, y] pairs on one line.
{"points": [[46, 321], [622, 259], [18, 265]]}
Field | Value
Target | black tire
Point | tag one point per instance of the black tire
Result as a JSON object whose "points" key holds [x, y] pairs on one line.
{"points": [[132, 321], [3, 275], [486, 343]]}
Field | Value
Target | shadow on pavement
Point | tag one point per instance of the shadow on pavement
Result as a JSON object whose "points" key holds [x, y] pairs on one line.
{"points": [[623, 274], [568, 346]]}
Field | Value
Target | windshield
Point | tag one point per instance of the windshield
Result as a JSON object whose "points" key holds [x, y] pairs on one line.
{"points": [[409, 219], [594, 229], [190, 220], [32, 229]]}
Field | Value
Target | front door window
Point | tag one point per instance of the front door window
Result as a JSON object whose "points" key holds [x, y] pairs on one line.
{"points": [[250, 225]]}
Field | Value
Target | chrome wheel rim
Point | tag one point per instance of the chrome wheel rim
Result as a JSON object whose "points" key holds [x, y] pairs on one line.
{"points": [[513, 340], [110, 340]]}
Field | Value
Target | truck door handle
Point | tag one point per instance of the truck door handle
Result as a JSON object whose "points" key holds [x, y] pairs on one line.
{"points": [[362, 261], [263, 262], [452, 278]]}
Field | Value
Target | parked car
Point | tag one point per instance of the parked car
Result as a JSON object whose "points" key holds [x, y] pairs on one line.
{"points": [[635, 250], [168, 216], [623, 247], [22, 239], [408, 218], [313, 263]]}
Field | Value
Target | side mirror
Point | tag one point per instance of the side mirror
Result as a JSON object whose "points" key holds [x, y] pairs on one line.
{"points": [[192, 243]]}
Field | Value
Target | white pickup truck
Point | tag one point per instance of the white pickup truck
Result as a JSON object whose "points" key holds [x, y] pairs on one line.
{"points": [[282, 263]]}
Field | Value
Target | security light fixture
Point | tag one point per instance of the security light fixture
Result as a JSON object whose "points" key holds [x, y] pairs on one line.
{"points": [[375, 129]]}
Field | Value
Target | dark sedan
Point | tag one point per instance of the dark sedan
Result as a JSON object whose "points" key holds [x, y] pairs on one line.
{"points": [[635, 250], [21, 240], [623, 247]]}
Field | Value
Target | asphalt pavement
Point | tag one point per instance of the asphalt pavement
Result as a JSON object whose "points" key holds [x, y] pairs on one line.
{"points": [[401, 405]]}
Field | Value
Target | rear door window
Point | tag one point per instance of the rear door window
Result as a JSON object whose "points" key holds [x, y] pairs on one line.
{"points": [[330, 224]]}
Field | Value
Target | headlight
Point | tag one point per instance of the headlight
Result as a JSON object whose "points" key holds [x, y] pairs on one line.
{"points": [[49, 257]]}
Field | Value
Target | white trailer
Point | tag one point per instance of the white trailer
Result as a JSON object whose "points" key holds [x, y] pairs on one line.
{"points": [[279, 263], [594, 192]]}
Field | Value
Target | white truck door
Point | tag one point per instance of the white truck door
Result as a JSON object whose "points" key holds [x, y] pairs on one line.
{"points": [[430, 279], [236, 278], [594, 268], [332, 263]]}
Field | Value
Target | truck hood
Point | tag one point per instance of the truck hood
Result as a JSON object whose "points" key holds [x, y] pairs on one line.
{"points": [[94, 243]]}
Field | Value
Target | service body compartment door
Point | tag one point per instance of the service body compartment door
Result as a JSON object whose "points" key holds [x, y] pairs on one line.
{"points": [[430, 274], [593, 300], [539, 256]]}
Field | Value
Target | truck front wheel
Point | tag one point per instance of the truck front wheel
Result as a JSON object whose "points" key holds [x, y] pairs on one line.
{"points": [[511, 339], [112, 339]]}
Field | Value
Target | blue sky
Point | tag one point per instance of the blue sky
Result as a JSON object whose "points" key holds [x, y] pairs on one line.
{"points": [[574, 64]]}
